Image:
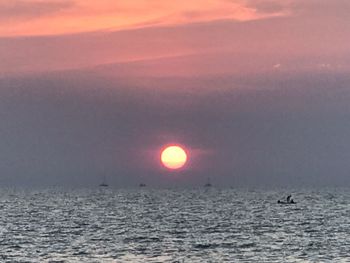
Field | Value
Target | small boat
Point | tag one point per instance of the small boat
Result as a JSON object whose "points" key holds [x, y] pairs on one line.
{"points": [[142, 185], [104, 183], [208, 184], [289, 201], [286, 203]]}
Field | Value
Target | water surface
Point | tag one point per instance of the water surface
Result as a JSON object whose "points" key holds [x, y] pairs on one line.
{"points": [[153, 225]]}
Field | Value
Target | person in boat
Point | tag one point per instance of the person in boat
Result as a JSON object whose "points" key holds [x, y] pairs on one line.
{"points": [[286, 203], [288, 198]]}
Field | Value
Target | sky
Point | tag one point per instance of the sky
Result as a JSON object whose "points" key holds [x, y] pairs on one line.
{"points": [[256, 91]]}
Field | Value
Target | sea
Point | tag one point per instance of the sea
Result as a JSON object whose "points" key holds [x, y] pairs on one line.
{"points": [[174, 225]]}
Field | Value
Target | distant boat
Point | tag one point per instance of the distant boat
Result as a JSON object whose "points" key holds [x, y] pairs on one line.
{"points": [[208, 184], [142, 185], [288, 201], [103, 184], [285, 203]]}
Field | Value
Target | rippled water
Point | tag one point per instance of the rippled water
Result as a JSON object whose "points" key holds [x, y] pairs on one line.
{"points": [[148, 225]]}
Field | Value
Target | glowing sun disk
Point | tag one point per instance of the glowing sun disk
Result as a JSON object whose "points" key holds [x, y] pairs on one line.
{"points": [[173, 157]]}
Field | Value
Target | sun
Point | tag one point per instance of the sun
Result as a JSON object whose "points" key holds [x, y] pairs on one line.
{"points": [[173, 157]]}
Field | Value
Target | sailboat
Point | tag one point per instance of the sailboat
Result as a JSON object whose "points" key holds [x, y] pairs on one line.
{"points": [[103, 184], [208, 184]]}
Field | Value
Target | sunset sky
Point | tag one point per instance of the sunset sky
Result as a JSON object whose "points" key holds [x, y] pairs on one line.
{"points": [[258, 91]]}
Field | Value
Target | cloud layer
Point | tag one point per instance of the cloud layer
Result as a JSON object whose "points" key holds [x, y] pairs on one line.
{"points": [[67, 16], [22, 11], [73, 128]]}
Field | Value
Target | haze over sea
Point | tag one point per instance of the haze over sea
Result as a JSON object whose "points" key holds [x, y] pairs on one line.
{"points": [[174, 225]]}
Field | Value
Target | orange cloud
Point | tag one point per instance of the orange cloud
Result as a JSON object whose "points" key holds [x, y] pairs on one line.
{"points": [[43, 17], [22, 11]]}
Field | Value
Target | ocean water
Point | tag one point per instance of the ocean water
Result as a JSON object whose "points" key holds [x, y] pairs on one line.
{"points": [[174, 225]]}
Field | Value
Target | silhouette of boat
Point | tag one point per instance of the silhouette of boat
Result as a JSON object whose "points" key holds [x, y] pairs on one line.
{"points": [[288, 201], [208, 184], [142, 185], [103, 184], [285, 203]]}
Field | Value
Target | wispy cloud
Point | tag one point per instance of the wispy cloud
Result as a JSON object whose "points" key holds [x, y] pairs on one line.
{"points": [[268, 6], [22, 10], [91, 15]]}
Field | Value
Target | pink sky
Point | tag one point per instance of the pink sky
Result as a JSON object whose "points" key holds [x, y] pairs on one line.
{"points": [[190, 37], [255, 90]]}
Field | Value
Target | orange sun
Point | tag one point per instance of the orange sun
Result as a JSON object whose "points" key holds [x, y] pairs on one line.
{"points": [[173, 157]]}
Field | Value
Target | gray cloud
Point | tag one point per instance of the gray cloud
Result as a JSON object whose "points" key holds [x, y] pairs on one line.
{"points": [[313, 9], [17, 10], [72, 128], [264, 6]]}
